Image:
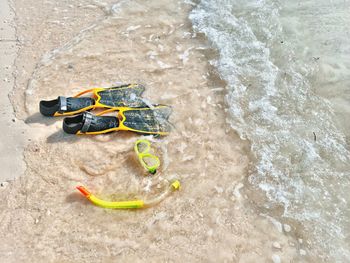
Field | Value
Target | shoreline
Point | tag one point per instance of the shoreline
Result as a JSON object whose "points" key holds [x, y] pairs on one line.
{"points": [[13, 130], [208, 219]]}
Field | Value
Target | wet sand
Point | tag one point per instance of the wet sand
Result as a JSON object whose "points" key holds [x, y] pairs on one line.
{"points": [[12, 130], [44, 219]]}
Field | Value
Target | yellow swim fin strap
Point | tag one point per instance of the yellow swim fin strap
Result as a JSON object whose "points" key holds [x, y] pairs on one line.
{"points": [[142, 148], [84, 92], [95, 96], [109, 204]]}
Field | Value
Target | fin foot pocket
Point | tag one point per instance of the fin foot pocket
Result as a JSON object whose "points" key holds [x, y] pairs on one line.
{"points": [[48, 107], [64, 105], [87, 122]]}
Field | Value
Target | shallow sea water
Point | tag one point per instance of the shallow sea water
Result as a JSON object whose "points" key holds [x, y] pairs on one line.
{"points": [[103, 43], [287, 70]]}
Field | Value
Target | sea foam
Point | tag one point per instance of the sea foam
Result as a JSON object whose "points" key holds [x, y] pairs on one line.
{"points": [[301, 157]]}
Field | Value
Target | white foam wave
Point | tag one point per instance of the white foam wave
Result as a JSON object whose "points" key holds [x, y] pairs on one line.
{"points": [[301, 157]]}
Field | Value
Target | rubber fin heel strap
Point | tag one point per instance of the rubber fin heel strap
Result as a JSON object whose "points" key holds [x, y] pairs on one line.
{"points": [[62, 102], [87, 121]]}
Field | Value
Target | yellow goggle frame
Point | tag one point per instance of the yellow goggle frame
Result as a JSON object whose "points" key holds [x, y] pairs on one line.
{"points": [[146, 154]]}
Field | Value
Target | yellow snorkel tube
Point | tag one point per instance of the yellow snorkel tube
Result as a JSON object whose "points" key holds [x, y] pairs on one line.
{"points": [[151, 163], [135, 204]]}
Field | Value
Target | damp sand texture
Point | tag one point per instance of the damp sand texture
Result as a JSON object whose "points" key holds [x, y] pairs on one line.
{"points": [[96, 44]]}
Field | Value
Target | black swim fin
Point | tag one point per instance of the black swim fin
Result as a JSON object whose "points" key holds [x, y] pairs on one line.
{"points": [[129, 95], [142, 120]]}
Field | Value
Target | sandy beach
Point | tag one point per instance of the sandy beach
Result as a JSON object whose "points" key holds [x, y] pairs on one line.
{"points": [[13, 131], [61, 48]]}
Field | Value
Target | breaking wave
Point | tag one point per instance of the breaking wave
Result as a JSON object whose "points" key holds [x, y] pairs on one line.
{"points": [[301, 159]]}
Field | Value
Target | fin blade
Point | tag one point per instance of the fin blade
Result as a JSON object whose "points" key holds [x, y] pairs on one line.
{"points": [[147, 120]]}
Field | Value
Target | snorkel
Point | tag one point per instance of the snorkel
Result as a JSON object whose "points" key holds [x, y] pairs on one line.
{"points": [[135, 204], [148, 161]]}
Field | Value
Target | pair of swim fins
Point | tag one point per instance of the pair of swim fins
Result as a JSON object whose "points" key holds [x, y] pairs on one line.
{"points": [[125, 110]]}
